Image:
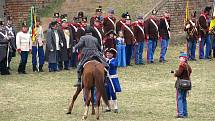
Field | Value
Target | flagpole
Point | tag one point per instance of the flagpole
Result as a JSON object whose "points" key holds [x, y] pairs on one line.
{"points": [[185, 20]]}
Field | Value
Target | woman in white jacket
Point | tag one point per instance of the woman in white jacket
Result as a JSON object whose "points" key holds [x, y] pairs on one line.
{"points": [[24, 46]]}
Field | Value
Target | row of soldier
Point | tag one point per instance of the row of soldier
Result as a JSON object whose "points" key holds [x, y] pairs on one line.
{"points": [[131, 39]]}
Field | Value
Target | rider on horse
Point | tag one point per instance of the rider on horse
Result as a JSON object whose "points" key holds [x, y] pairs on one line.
{"points": [[91, 50]]}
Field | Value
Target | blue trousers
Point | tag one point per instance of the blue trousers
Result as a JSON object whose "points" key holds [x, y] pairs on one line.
{"points": [[64, 64], [128, 50], [164, 46], [23, 61], [24, 57], [191, 49], [110, 93], [40, 55], [121, 57], [52, 67], [181, 96], [205, 41], [139, 53], [152, 44]]}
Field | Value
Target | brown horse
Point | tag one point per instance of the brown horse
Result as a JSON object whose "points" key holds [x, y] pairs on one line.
{"points": [[93, 75]]}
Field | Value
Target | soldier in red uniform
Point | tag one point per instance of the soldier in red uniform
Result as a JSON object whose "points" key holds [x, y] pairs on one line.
{"points": [[129, 38], [139, 35], [120, 22], [152, 35], [192, 36], [109, 21], [204, 24], [74, 55], [109, 40], [164, 31], [98, 15], [98, 31]]}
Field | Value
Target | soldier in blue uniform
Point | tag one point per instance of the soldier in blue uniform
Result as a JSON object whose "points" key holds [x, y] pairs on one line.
{"points": [[113, 85]]}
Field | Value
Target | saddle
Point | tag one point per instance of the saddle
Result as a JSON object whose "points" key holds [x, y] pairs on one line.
{"points": [[93, 57]]}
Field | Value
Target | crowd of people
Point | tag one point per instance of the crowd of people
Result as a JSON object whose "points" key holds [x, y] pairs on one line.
{"points": [[126, 37]]}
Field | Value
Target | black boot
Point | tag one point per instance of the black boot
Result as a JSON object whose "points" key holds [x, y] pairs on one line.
{"points": [[213, 53], [20, 68], [41, 68], [23, 69], [35, 69], [79, 81]]}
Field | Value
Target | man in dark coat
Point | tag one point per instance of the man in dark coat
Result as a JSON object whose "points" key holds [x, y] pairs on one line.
{"points": [[66, 36], [90, 50], [152, 35], [192, 36], [75, 30], [109, 22], [109, 40], [98, 32], [4, 41], [139, 35], [129, 38], [204, 24], [164, 31], [12, 42], [120, 22], [51, 54], [98, 15]]}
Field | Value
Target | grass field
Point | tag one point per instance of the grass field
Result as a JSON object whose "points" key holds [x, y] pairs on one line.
{"points": [[148, 93]]}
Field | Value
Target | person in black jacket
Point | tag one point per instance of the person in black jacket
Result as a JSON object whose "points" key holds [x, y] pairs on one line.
{"points": [[164, 31]]}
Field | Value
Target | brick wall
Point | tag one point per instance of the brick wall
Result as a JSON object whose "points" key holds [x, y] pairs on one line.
{"points": [[19, 9], [177, 11]]}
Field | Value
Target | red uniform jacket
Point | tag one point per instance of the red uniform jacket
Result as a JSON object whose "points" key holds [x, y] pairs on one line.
{"points": [[151, 30], [164, 29], [99, 34], [128, 34], [109, 42], [139, 33], [183, 70], [108, 24], [80, 32], [119, 25], [192, 32], [203, 24]]}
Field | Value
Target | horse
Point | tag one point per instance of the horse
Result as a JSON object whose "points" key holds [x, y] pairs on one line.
{"points": [[93, 75]]}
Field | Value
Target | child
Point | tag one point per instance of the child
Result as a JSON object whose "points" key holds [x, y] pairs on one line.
{"points": [[120, 45], [183, 72], [113, 85]]}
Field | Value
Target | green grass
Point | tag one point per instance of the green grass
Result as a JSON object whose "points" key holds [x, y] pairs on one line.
{"points": [[148, 93]]}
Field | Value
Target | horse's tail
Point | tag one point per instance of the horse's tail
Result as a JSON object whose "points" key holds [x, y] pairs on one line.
{"points": [[100, 85]]}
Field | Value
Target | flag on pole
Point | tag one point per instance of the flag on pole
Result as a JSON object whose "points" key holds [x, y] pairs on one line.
{"points": [[33, 27], [186, 12], [185, 20]]}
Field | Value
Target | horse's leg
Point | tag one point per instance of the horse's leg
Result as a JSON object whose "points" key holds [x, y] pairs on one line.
{"points": [[73, 100], [92, 100], [87, 103], [98, 97]]}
